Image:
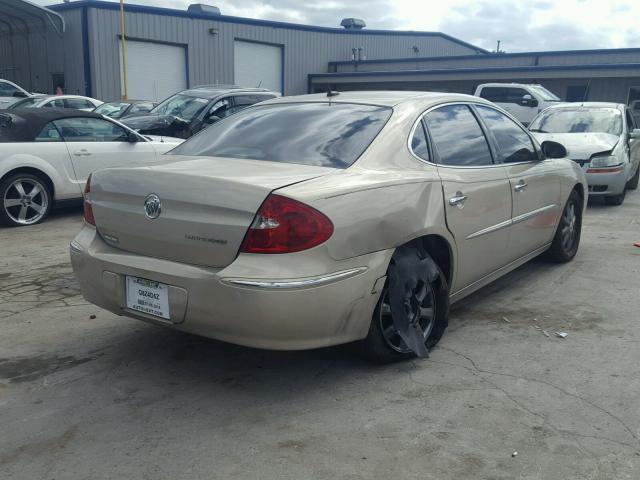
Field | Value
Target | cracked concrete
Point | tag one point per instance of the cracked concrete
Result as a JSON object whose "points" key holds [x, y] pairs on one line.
{"points": [[112, 398]]}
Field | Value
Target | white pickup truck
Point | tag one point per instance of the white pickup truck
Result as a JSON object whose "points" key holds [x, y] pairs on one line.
{"points": [[521, 100]]}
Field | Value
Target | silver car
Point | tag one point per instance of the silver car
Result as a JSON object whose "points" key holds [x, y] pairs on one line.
{"points": [[309, 221], [602, 138]]}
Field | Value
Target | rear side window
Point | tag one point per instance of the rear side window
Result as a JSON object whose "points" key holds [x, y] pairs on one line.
{"points": [[514, 144], [320, 134], [503, 94], [457, 137], [419, 144], [49, 134]]}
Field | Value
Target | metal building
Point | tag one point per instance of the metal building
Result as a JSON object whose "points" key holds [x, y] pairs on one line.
{"points": [[598, 75], [77, 45], [168, 50], [30, 41]]}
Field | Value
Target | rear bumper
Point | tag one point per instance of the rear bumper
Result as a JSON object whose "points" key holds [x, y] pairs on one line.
{"points": [[288, 311], [605, 184]]}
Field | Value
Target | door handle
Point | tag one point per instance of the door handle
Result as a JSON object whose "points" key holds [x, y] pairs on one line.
{"points": [[82, 153], [458, 200], [521, 186]]}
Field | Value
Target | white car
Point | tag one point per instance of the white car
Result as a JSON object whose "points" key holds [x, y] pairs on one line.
{"points": [[602, 138], [521, 100], [46, 156], [10, 93], [77, 102]]}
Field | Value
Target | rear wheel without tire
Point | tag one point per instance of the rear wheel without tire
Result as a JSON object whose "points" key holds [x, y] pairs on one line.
{"points": [[567, 238], [428, 307], [25, 200]]}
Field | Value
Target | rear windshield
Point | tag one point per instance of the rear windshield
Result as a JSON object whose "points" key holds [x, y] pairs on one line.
{"points": [[320, 134], [578, 120]]}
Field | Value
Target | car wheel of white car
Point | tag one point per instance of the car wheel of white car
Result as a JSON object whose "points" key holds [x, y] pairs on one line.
{"points": [[417, 306], [26, 200]]}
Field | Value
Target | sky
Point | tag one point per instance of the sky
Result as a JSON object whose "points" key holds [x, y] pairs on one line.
{"points": [[533, 25]]}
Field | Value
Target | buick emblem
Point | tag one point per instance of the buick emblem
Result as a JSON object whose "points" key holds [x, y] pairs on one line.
{"points": [[152, 206]]}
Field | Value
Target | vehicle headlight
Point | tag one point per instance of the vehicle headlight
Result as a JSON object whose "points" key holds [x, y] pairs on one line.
{"points": [[608, 161]]}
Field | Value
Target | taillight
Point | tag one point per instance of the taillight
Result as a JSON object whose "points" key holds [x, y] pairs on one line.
{"points": [[284, 225], [86, 205]]}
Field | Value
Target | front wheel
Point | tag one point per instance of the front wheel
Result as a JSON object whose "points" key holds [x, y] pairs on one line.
{"points": [[567, 238], [26, 200], [413, 310]]}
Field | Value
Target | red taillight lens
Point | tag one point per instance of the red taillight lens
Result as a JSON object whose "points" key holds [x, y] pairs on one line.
{"points": [[284, 225], [86, 206]]}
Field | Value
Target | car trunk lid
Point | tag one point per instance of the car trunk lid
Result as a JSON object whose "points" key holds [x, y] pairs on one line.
{"points": [[207, 205]]}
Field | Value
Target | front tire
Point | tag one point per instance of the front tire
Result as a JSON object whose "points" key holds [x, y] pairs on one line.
{"points": [[25, 199], [567, 238], [383, 343]]}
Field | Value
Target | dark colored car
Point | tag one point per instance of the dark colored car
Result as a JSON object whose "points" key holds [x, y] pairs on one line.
{"points": [[125, 108], [189, 111]]}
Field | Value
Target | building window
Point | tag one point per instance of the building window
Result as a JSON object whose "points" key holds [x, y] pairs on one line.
{"points": [[577, 93]]}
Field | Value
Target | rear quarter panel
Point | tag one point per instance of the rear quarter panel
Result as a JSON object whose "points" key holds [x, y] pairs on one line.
{"points": [[59, 169]]}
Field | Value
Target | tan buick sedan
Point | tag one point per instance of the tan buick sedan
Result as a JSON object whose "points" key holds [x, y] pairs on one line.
{"points": [[317, 220]]}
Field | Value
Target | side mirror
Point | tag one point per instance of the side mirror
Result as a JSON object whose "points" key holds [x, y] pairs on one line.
{"points": [[19, 94], [635, 134], [212, 119], [553, 149], [132, 138], [528, 101]]}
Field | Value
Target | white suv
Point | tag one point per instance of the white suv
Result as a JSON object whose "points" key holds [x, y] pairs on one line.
{"points": [[522, 101]]}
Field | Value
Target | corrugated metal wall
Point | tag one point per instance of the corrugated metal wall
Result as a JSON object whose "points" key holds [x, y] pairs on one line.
{"points": [[210, 57], [483, 61], [599, 89], [28, 58]]}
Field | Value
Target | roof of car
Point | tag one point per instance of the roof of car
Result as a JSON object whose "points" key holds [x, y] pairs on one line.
{"points": [[212, 91], [588, 104], [24, 124], [387, 98]]}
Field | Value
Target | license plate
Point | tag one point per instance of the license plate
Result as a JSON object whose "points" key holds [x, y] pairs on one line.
{"points": [[148, 297]]}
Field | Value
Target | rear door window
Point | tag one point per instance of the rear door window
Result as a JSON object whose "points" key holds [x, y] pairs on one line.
{"points": [[77, 103], [7, 90], [514, 143], [457, 137], [503, 94], [320, 134]]}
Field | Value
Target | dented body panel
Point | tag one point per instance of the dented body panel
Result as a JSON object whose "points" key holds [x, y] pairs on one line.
{"points": [[325, 295]]}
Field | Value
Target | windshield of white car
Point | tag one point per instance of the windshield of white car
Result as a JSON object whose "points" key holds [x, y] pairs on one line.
{"points": [[319, 134], [111, 109], [578, 120], [546, 95], [26, 102], [182, 106]]}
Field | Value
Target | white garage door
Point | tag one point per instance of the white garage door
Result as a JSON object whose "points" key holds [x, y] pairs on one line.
{"points": [[258, 65], [154, 71]]}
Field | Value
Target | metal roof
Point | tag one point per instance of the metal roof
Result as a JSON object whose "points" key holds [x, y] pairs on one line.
{"points": [[251, 21], [22, 17]]}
